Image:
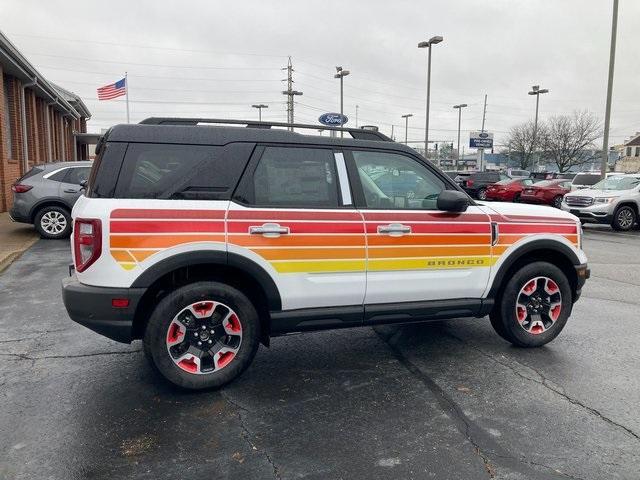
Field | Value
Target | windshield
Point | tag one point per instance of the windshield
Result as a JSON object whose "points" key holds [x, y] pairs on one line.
{"points": [[586, 179], [617, 183], [506, 182]]}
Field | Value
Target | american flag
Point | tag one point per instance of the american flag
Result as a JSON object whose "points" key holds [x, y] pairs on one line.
{"points": [[113, 90]]}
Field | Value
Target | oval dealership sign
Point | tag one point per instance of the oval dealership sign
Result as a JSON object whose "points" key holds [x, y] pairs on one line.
{"points": [[333, 119]]}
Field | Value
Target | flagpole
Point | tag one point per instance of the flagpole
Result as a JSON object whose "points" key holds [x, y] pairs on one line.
{"points": [[126, 90]]}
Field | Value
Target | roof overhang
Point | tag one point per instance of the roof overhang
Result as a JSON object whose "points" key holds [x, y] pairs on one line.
{"points": [[15, 64]]}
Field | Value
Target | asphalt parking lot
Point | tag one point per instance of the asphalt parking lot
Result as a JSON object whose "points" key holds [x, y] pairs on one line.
{"points": [[441, 400]]}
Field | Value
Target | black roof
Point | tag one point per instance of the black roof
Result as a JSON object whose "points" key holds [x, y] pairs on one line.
{"points": [[252, 132]]}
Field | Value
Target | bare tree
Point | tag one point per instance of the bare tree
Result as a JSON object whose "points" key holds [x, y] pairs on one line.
{"points": [[520, 143], [567, 139]]}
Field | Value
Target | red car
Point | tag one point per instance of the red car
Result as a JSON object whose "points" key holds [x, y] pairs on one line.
{"points": [[509, 190], [548, 192]]}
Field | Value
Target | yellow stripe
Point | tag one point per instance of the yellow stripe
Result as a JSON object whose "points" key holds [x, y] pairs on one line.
{"points": [[320, 266], [430, 263]]}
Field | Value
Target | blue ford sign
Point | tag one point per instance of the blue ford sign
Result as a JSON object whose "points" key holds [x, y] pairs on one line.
{"points": [[480, 140], [333, 119]]}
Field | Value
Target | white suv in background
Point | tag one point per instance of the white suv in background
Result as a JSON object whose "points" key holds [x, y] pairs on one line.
{"points": [[614, 201]]}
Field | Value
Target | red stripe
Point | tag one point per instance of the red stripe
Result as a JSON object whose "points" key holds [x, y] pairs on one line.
{"points": [[444, 228], [166, 227], [276, 215], [510, 228], [404, 216], [166, 213], [530, 219], [295, 227]]}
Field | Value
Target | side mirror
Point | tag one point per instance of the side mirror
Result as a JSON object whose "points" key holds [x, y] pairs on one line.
{"points": [[452, 201], [83, 184]]}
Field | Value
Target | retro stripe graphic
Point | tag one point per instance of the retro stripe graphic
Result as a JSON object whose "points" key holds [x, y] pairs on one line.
{"points": [[331, 241]]}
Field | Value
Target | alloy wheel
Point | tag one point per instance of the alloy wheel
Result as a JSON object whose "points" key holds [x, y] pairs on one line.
{"points": [[204, 337], [625, 218], [538, 305], [53, 222]]}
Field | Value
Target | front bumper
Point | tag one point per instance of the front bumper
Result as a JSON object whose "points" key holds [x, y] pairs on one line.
{"points": [[582, 273], [92, 307], [592, 214]]}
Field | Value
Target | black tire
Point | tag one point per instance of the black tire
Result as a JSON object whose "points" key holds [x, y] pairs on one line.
{"points": [[155, 338], [516, 198], [557, 201], [504, 319], [481, 194], [53, 222], [624, 218]]}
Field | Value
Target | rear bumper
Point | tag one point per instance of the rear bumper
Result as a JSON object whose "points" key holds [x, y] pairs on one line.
{"points": [[535, 199], [91, 307], [18, 216]]}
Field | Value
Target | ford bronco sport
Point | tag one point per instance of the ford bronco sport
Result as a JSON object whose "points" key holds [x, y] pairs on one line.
{"points": [[204, 241]]}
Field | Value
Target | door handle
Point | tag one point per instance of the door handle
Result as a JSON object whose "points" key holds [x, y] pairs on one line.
{"points": [[394, 229], [70, 190], [270, 230]]}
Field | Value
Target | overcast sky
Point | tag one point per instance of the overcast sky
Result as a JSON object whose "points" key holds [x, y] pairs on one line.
{"points": [[216, 58]]}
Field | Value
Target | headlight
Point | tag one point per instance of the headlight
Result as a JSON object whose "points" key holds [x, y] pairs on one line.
{"points": [[604, 199]]}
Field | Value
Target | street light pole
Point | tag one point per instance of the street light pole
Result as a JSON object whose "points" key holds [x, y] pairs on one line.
{"points": [[537, 91], [406, 127], [607, 115], [427, 44], [260, 107], [459, 108], [341, 74]]}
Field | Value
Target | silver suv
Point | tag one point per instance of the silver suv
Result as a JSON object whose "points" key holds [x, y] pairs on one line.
{"points": [[45, 195], [614, 201]]}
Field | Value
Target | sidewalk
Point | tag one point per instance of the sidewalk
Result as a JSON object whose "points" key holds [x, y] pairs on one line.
{"points": [[15, 238]]}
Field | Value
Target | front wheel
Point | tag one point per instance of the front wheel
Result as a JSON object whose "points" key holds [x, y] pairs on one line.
{"points": [[624, 218], [557, 202], [482, 194], [534, 305], [202, 335]]}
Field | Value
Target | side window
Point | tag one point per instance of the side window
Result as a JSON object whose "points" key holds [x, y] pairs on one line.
{"points": [[527, 181], [77, 175], [394, 181], [295, 177], [169, 171], [59, 176]]}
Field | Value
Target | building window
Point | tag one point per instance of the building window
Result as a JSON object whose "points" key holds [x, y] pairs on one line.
{"points": [[637, 151], [7, 131], [628, 152]]}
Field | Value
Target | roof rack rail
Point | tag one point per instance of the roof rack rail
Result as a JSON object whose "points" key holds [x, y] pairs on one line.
{"points": [[362, 133]]}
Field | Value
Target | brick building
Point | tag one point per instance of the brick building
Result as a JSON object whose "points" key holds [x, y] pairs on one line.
{"points": [[37, 120]]}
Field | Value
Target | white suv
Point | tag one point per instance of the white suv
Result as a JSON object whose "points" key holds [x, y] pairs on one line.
{"points": [[204, 241], [613, 201]]}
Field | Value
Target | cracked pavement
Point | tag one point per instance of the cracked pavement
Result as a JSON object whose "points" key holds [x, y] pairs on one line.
{"points": [[444, 400]]}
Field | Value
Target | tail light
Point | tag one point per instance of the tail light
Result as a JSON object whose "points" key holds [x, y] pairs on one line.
{"points": [[19, 188], [87, 242], [469, 183]]}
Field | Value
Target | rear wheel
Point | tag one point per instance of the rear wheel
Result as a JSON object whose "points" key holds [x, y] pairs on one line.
{"points": [[202, 335], [53, 222], [516, 198], [534, 305], [624, 218]]}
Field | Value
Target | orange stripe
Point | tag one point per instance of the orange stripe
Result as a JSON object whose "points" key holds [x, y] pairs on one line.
{"points": [[121, 256], [513, 238], [375, 240], [140, 255], [297, 240], [310, 253], [461, 250], [159, 241]]}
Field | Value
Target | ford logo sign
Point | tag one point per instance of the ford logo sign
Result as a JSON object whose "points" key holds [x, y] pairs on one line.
{"points": [[333, 119], [483, 135]]}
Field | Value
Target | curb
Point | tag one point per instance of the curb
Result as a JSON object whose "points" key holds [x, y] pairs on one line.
{"points": [[9, 257]]}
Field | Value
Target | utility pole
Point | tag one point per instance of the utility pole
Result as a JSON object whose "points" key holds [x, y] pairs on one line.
{"points": [[392, 132], [290, 92], [459, 108], [357, 107], [535, 90], [481, 150], [260, 107], [406, 127], [607, 115], [341, 73]]}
